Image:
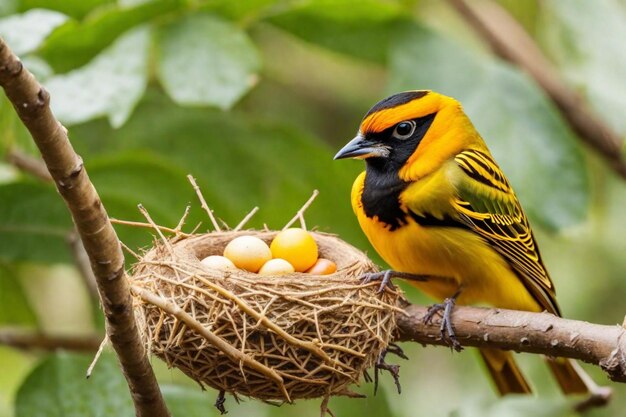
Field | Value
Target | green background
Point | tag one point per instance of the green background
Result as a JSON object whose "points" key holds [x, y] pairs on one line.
{"points": [[254, 98]]}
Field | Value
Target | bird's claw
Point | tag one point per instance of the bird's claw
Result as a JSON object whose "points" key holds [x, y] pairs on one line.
{"points": [[447, 330], [219, 402], [394, 370], [383, 276], [396, 350]]}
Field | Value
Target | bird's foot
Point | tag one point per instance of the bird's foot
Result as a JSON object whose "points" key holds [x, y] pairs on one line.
{"points": [[446, 328], [394, 370], [385, 278], [219, 402]]}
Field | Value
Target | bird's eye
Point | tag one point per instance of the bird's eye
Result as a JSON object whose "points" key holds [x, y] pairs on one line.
{"points": [[404, 130]]}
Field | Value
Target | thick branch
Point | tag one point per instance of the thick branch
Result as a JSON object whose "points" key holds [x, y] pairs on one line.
{"points": [[31, 103], [509, 40], [525, 332]]}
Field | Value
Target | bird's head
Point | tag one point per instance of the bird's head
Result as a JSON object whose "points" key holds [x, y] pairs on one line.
{"points": [[411, 133]]}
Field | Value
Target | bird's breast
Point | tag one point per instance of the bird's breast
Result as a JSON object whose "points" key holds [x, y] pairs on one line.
{"points": [[380, 199]]}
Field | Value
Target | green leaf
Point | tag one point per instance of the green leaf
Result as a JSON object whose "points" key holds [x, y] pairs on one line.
{"points": [[363, 29], [15, 308], [110, 85], [15, 366], [74, 8], [532, 144], [586, 41], [57, 387], [204, 60], [34, 223], [75, 43], [25, 32], [248, 9]]}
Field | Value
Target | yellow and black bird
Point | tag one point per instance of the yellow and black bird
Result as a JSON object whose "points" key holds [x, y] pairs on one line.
{"points": [[434, 203]]}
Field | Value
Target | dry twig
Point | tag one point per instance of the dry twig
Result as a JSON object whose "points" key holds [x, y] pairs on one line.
{"points": [[30, 164], [92, 365], [31, 102], [203, 203], [300, 214], [147, 226], [246, 219], [37, 340]]}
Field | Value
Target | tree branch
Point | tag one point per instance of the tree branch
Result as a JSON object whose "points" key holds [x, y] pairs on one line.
{"points": [[37, 340], [27, 163], [523, 331], [31, 103], [508, 39]]}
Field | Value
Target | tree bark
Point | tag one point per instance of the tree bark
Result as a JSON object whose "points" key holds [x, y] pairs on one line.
{"points": [[31, 102], [524, 331]]}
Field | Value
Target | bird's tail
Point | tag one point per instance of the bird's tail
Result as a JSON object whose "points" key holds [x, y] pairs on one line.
{"points": [[573, 379], [504, 371]]}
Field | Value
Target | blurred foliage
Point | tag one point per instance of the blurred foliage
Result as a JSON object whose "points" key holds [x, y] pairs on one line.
{"points": [[253, 98], [57, 387]]}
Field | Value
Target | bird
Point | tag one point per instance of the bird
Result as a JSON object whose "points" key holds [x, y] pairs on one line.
{"points": [[437, 208]]}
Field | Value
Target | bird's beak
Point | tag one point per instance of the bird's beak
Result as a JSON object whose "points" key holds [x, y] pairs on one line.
{"points": [[361, 148]]}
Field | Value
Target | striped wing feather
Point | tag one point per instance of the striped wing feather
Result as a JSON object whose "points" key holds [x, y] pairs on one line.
{"points": [[487, 205]]}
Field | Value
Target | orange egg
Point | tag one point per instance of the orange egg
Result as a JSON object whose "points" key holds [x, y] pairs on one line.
{"points": [[297, 247], [322, 267], [218, 262], [248, 252], [276, 266]]}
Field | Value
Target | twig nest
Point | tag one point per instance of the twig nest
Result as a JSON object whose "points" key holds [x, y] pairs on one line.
{"points": [[282, 337]]}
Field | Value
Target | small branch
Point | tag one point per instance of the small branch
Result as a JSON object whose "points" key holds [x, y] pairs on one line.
{"points": [[203, 203], [130, 251], [508, 39], [96, 357], [246, 219], [35, 340], [31, 102], [29, 164], [523, 331], [300, 213], [147, 226], [145, 213], [182, 221]]}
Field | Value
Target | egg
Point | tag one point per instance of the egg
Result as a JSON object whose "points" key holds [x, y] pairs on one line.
{"points": [[322, 267], [297, 247], [218, 262], [276, 266], [248, 252]]}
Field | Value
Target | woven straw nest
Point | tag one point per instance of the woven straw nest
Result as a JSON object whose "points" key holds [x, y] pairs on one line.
{"points": [[275, 338]]}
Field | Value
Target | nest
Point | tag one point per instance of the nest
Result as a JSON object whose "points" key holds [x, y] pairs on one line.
{"points": [[273, 338]]}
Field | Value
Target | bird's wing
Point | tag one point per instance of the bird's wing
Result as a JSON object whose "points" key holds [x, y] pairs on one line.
{"points": [[487, 205]]}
